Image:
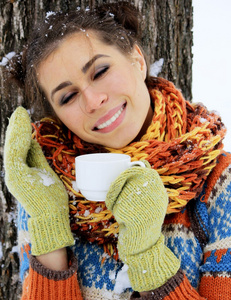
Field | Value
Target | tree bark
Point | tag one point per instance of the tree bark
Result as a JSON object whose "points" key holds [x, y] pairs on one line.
{"points": [[167, 34]]}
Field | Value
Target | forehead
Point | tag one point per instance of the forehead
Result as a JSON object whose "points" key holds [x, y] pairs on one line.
{"points": [[80, 46]]}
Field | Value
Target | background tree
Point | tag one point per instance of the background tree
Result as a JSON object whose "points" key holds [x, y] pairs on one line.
{"points": [[167, 34]]}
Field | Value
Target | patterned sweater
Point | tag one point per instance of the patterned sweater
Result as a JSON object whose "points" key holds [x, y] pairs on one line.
{"points": [[199, 235]]}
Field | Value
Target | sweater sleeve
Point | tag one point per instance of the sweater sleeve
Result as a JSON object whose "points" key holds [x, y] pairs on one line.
{"points": [[215, 278], [42, 283], [177, 287], [39, 282]]}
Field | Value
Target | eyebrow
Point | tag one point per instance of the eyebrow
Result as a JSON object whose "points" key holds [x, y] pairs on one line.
{"points": [[84, 70], [60, 87], [90, 63]]}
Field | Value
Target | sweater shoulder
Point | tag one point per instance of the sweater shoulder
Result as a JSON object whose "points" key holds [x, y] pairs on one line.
{"points": [[221, 174]]}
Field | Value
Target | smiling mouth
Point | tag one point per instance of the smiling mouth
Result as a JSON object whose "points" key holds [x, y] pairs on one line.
{"points": [[111, 120]]}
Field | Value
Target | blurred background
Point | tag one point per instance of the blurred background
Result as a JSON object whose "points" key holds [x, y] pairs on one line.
{"points": [[212, 58]]}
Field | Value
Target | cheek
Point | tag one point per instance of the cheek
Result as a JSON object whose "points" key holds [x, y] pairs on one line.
{"points": [[120, 82], [72, 117]]}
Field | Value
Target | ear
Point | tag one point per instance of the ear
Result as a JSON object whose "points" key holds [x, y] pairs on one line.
{"points": [[138, 59]]}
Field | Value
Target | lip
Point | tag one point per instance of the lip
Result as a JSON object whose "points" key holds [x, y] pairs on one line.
{"points": [[108, 116]]}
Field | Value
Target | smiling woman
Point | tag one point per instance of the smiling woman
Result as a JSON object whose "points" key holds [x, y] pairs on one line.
{"points": [[89, 72], [82, 96]]}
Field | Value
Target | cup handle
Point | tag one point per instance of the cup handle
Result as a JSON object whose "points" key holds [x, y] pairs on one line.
{"points": [[137, 163]]}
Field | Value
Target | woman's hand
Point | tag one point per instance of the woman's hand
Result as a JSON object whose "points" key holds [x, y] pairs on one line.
{"points": [[35, 185], [138, 200]]}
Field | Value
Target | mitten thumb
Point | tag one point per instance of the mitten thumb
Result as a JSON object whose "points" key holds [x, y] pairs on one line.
{"points": [[36, 158], [117, 186]]}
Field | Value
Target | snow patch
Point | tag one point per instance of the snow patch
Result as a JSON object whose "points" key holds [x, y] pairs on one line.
{"points": [[203, 120], [98, 209], [86, 213], [122, 281], [156, 67], [15, 249], [6, 58], [46, 177], [1, 252], [49, 13]]}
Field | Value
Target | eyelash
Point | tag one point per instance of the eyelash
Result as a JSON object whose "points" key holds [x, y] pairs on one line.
{"points": [[65, 100], [100, 73]]}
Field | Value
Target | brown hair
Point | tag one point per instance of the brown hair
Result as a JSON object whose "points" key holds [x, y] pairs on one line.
{"points": [[116, 24]]}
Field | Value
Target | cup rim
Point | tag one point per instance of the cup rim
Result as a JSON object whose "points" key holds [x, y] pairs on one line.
{"points": [[85, 157]]}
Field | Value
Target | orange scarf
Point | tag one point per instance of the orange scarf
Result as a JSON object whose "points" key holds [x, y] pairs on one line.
{"points": [[182, 144]]}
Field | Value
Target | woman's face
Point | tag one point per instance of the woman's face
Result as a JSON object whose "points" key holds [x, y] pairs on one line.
{"points": [[96, 91]]}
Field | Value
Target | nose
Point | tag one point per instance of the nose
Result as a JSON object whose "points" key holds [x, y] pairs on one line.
{"points": [[93, 99]]}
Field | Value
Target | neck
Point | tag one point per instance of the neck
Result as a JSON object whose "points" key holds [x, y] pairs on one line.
{"points": [[146, 124]]}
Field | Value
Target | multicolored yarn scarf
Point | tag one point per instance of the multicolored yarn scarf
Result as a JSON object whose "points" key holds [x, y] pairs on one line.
{"points": [[182, 144]]}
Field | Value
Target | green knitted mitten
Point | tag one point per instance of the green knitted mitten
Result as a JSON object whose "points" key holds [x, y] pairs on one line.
{"points": [[35, 185], [138, 200]]}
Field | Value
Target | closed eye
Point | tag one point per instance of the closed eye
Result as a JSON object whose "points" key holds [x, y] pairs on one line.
{"points": [[67, 98], [100, 72]]}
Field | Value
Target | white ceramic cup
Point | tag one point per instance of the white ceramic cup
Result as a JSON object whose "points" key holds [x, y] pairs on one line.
{"points": [[95, 172]]}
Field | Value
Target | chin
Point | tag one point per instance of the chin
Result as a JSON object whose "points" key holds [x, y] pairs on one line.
{"points": [[115, 141], [118, 144]]}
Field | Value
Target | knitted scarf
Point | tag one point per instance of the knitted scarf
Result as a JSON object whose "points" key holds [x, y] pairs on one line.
{"points": [[182, 144]]}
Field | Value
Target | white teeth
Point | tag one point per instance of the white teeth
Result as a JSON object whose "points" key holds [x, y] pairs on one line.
{"points": [[113, 118]]}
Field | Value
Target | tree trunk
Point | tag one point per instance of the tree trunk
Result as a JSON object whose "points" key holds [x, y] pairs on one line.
{"points": [[167, 34]]}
